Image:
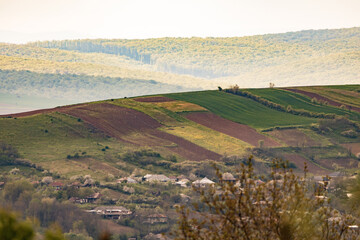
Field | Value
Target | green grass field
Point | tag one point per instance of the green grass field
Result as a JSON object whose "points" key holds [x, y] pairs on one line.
{"points": [[48, 139], [298, 101], [344, 96], [242, 110]]}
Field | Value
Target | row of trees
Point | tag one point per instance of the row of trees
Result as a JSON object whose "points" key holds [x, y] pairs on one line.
{"points": [[236, 90]]}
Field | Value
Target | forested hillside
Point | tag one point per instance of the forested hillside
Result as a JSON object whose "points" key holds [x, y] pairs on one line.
{"points": [[79, 87], [303, 55]]}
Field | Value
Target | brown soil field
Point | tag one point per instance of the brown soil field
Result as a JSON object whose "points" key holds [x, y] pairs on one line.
{"points": [[239, 131], [294, 138], [299, 162], [154, 99], [41, 111], [331, 163], [353, 147], [319, 97], [114, 120], [118, 122]]}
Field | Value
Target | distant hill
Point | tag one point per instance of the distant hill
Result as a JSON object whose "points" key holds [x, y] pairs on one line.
{"points": [[295, 58]]}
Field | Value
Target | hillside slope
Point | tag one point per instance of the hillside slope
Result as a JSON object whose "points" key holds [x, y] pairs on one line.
{"points": [[189, 127]]}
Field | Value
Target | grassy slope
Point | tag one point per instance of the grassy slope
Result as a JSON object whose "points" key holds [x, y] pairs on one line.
{"points": [[241, 110], [64, 136], [298, 101]]}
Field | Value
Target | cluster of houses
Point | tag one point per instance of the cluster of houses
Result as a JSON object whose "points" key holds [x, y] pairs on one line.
{"points": [[111, 212], [181, 180]]}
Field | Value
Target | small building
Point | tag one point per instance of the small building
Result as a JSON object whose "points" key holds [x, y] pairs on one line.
{"points": [[156, 218], [121, 180], [92, 198], [75, 184], [152, 236], [77, 200], [228, 177], [182, 182], [173, 179], [156, 178], [111, 212], [205, 182], [57, 185], [131, 180]]}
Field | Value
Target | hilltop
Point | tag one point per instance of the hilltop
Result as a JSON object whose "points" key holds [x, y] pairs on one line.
{"points": [[73, 71]]}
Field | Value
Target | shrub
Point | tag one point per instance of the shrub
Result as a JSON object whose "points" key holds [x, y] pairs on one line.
{"points": [[282, 208], [349, 133]]}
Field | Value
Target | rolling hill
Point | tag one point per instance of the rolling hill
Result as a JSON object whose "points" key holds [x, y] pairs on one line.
{"points": [[190, 127]]}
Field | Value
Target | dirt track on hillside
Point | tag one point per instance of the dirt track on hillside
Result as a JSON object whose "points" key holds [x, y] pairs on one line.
{"points": [[154, 99], [42, 111], [239, 131], [319, 97], [118, 121]]}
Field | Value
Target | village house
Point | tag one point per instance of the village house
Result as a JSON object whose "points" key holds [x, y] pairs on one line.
{"points": [[173, 179], [228, 177], [182, 182], [156, 218], [77, 200], [57, 185], [92, 198], [205, 182], [152, 236], [156, 178], [111, 212], [75, 184]]}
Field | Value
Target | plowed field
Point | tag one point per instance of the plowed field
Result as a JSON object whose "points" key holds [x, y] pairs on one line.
{"points": [[119, 121], [239, 131]]}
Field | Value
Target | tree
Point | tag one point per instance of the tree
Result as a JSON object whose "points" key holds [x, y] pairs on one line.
{"points": [[8, 154], [12, 229], [284, 207], [13, 190]]}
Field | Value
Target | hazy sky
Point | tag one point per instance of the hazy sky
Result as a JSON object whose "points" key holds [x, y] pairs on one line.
{"points": [[175, 18]]}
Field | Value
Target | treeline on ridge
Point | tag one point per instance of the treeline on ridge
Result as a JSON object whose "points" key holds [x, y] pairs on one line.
{"points": [[82, 87], [220, 57]]}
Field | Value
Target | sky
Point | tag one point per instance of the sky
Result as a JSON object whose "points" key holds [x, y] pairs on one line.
{"points": [[30, 20]]}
